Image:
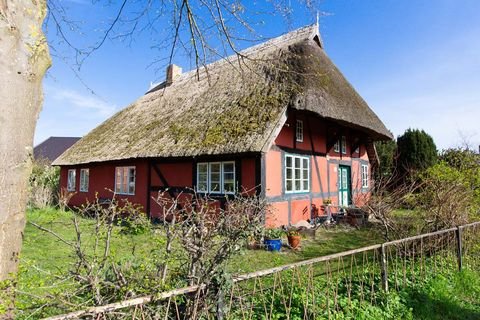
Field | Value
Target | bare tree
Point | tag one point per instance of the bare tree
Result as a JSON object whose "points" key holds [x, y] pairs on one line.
{"points": [[203, 30]]}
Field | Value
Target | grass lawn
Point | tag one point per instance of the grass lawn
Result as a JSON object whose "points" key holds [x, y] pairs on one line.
{"points": [[44, 256]]}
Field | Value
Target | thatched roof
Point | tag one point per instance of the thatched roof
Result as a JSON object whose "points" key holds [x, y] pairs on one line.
{"points": [[234, 105]]}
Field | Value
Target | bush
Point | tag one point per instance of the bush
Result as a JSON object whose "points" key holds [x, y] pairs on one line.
{"points": [[43, 185], [416, 151], [446, 197]]}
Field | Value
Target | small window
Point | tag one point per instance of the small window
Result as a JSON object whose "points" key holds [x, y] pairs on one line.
{"points": [[71, 179], [357, 150], [125, 180], [299, 131], [216, 177], [364, 176], [336, 146], [297, 174], [344, 145], [84, 177]]}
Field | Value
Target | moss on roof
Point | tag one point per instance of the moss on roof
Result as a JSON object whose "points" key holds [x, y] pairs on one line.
{"points": [[234, 106]]}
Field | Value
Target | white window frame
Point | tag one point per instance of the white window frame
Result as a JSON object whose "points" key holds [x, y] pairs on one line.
{"points": [[294, 178], [84, 179], [71, 175], [299, 131], [222, 177], [343, 144], [120, 190], [364, 173]]}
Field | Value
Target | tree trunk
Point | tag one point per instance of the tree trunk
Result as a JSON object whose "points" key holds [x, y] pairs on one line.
{"points": [[24, 59]]}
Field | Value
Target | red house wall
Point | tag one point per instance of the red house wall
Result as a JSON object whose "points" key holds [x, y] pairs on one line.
{"points": [[177, 175], [102, 182], [289, 208]]}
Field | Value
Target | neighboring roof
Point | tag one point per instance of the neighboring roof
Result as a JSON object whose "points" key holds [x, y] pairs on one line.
{"points": [[53, 147], [234, 105]]}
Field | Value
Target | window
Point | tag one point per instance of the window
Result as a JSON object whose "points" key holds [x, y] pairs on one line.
{"points": [[357, 150], [297, 175], [364, 176], [216, 177], [336, 146], [299, 131], [125, 180], [344, 145], [71, 179], [84, 176]]}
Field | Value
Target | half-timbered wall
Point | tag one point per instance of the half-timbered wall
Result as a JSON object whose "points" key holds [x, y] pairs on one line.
{"points": [[317, 145]]}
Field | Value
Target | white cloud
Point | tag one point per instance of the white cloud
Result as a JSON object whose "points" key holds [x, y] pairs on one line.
{"points": [[69, 112], [76, 100]]}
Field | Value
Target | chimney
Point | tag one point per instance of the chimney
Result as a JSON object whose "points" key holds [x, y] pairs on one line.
{"points": [[173, 71]]}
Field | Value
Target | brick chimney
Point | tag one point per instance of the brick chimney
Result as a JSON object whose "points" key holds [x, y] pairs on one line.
{"points": [[173, 71]]}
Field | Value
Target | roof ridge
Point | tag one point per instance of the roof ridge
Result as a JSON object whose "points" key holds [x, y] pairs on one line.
{"points": [[309, 31]]}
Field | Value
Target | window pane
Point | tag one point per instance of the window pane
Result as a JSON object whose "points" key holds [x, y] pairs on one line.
{"points": [[118, 181], [289, 173], [131, 180], [228, 176], [305, 163], [297, 185], [214, 187], [289, 185], [228, 167], [229, 187], [305, 185], [297, 162], [124, 180], [305, 174], [202, 168], [215, 167], [297, 173], [215, 177], [289, 162]]}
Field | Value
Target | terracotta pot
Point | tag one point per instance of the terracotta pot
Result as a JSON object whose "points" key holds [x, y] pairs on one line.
{"points": [[294, 241]]}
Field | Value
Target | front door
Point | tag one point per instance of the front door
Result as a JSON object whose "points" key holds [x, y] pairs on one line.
{"points": [[344, 186]]}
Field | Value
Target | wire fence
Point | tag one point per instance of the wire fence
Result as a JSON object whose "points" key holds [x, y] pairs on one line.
{"points": [[312, 289]]}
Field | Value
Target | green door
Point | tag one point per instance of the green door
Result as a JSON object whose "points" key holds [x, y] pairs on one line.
{"points": [[344, 186]]}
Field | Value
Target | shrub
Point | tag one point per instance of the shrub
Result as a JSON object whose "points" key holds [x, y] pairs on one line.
{"points": [[416, 151], [446, 197], [43, 185]]}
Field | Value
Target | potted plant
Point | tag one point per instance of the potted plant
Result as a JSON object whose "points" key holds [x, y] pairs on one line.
{"points": [[272, 239], [294, 238]]}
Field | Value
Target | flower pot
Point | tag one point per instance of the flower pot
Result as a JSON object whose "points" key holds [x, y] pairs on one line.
{"points": [[294, 241], [272, 244]]}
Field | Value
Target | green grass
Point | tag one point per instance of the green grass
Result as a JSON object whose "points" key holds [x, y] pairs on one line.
{"points": [[454, 297], [327, 241], [44, 258]]}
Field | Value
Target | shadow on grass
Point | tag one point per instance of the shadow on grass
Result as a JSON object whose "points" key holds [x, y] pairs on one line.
{"points": [[427, 308]]}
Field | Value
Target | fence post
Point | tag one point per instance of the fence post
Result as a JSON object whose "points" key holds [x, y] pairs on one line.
{"points": [[458, 234], [383, 262], [220, 304]]}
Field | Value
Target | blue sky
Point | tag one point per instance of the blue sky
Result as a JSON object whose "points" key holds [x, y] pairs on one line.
{"points": [[416, 63]]}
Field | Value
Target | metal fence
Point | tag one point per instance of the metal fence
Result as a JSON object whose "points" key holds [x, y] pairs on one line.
{"points": [[312, 289]]}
